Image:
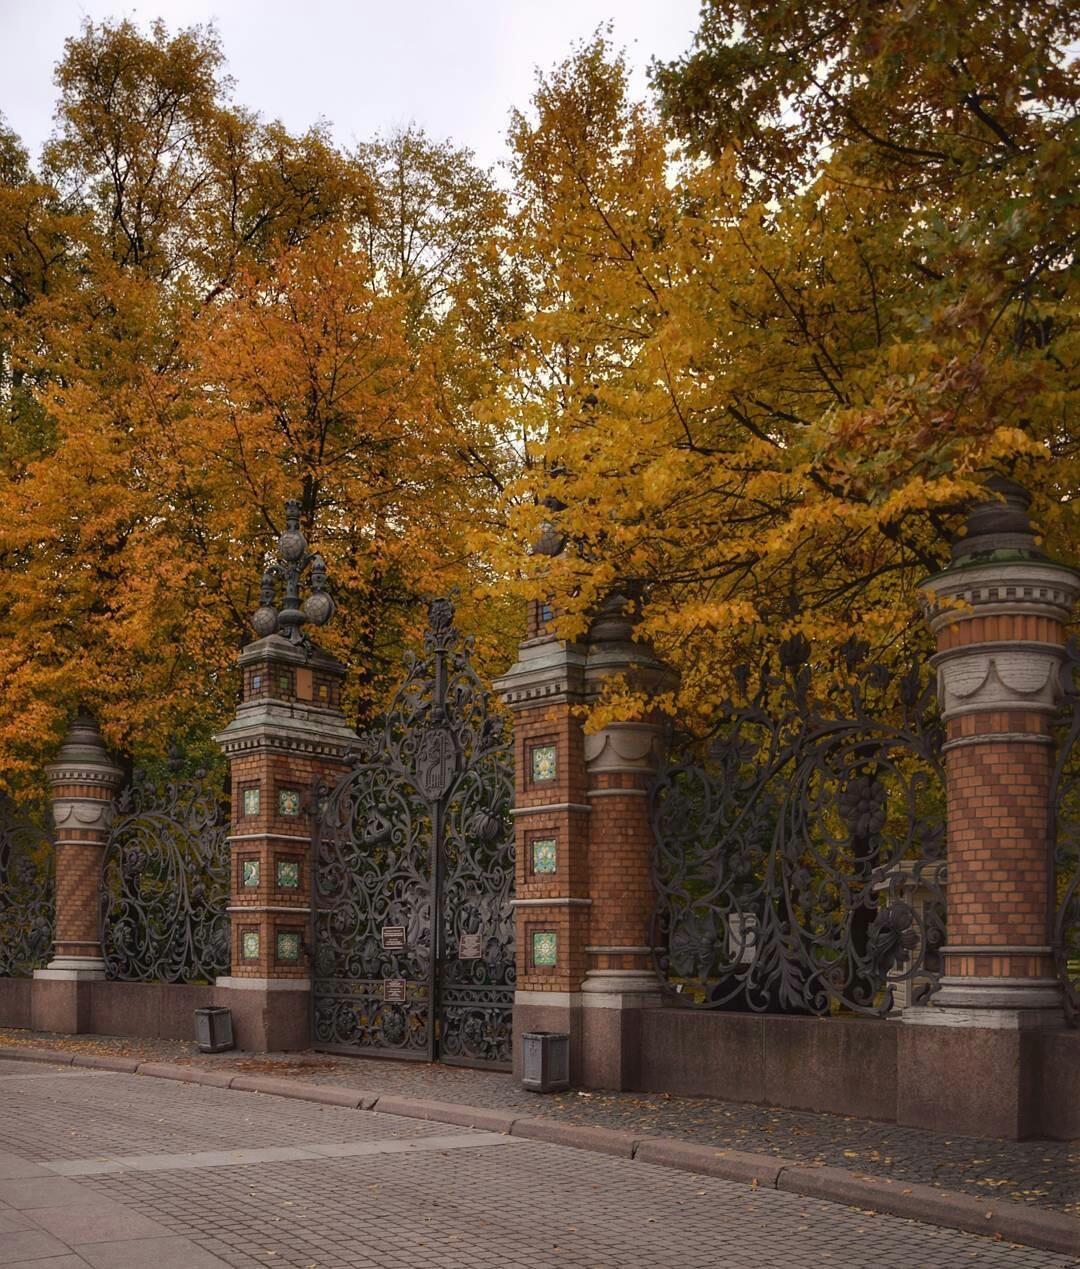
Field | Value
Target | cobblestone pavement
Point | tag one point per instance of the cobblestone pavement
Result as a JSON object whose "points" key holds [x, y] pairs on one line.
{"points": [[121, 1172], [1043, 1173]]}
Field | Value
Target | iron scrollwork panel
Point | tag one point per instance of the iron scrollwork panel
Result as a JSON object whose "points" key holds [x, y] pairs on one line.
{"points": [[371, 874], [165, 883], [800, 861], [478, 968], [1065, 839], [27, 892], [417, 836]]}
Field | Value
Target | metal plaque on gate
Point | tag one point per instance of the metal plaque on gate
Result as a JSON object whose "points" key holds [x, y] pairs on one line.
{"points": [[470, 947], [435, 763], [393, 938], [393, 990]]}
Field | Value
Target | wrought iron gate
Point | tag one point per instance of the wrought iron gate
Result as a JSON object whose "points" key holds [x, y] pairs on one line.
{"points": [[413, 874]]}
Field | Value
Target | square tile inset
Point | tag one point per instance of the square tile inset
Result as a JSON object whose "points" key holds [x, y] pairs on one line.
{"points": [[288, 946], [543, 854], [543, 763], [288, 801], [545, 948], [251, 802], [288, 874], [249, 873], [249, 945]]}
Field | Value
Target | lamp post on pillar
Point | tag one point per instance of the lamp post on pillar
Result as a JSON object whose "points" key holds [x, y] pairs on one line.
{"points": [[999, 612]]}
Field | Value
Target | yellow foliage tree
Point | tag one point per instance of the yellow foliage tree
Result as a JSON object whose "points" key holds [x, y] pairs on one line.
{"points": [[757, 394]]}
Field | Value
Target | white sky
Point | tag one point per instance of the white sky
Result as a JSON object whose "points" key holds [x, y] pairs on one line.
{"points": [[455, 67]]}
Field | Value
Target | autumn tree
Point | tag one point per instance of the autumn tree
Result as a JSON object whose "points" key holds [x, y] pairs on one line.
{"points": [[195, 327], [768, 360]]}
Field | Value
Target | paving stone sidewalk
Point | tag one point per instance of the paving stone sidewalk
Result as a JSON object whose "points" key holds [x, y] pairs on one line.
{"points": [[108, 1170], [1041, 1173]]}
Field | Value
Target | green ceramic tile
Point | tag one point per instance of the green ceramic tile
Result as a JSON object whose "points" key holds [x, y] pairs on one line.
{"points": [[288, 874], [543, 854], [543, 763], [545, 947]]}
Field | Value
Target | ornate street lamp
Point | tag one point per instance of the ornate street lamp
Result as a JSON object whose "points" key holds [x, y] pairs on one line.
{"points": [[292, 562]]}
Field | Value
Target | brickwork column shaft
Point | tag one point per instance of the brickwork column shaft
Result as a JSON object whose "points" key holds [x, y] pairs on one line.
{"points": [[999, 612], [584, 900], [288, 734], [83, 783]]}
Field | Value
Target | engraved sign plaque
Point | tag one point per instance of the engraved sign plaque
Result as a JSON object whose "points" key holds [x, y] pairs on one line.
{"points": [[393, 938], [470, 947], [393, 990], [435, 763]]}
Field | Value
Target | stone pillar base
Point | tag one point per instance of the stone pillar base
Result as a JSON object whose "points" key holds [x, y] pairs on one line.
{"points": [[270, 1015], [611, 1030], [1005, 1004], [74, 969], [980, 1081], [549, 1011], [60, 1001]]}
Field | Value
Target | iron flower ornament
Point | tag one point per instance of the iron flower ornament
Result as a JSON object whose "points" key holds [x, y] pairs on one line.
{"points": [[288, 569]]}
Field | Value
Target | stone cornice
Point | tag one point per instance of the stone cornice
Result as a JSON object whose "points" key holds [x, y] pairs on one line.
{"points": [[1031, 588], [546, 672]]}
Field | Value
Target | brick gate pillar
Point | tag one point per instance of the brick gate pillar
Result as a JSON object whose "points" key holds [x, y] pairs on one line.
{"points": [[621, 761], [289, 733], [544, 689], [973, 1062], [83, 783], [999, 613], [583, 901]]}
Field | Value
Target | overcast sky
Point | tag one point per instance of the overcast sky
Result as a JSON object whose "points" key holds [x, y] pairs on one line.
{"points": [[455, 67]]}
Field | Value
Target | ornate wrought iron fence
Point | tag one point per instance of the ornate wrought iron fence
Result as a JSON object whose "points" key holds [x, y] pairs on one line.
{"points": [[27, 892], [165, 885], [414, 871], [1064, 839], [800, 859]]}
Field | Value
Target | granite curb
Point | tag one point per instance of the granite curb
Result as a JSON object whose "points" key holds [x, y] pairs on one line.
{"points": [[1005, 1221]]}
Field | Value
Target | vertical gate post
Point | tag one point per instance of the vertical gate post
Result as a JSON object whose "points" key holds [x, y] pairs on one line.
{"points": [[584, 896], [544, 689], [289, 733], [999, 612], [621, 761], [83, 783]]}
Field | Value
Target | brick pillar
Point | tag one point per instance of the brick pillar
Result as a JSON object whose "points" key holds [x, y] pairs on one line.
{"points": [[83, 783], [289, 734], [551, 817], [584, 840], [621, 760], [289, 731], [999, 613]]}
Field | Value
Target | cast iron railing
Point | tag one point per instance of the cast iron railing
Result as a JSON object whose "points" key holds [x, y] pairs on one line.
{"points": [[800, 854], [165, 885], [27, 891]]}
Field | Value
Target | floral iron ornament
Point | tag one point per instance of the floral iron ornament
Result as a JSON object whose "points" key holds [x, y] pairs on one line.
{"points": [[289, 568]]}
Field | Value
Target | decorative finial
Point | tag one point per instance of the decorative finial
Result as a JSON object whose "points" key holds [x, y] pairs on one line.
{"points": [[293, 559]]}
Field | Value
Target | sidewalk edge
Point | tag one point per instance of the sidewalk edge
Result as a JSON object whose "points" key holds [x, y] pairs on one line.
{"points": [[1003, 1220]]}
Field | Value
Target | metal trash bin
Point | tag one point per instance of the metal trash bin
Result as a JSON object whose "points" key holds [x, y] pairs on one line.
{"points": [[213, 1029], [545, 1061]]}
